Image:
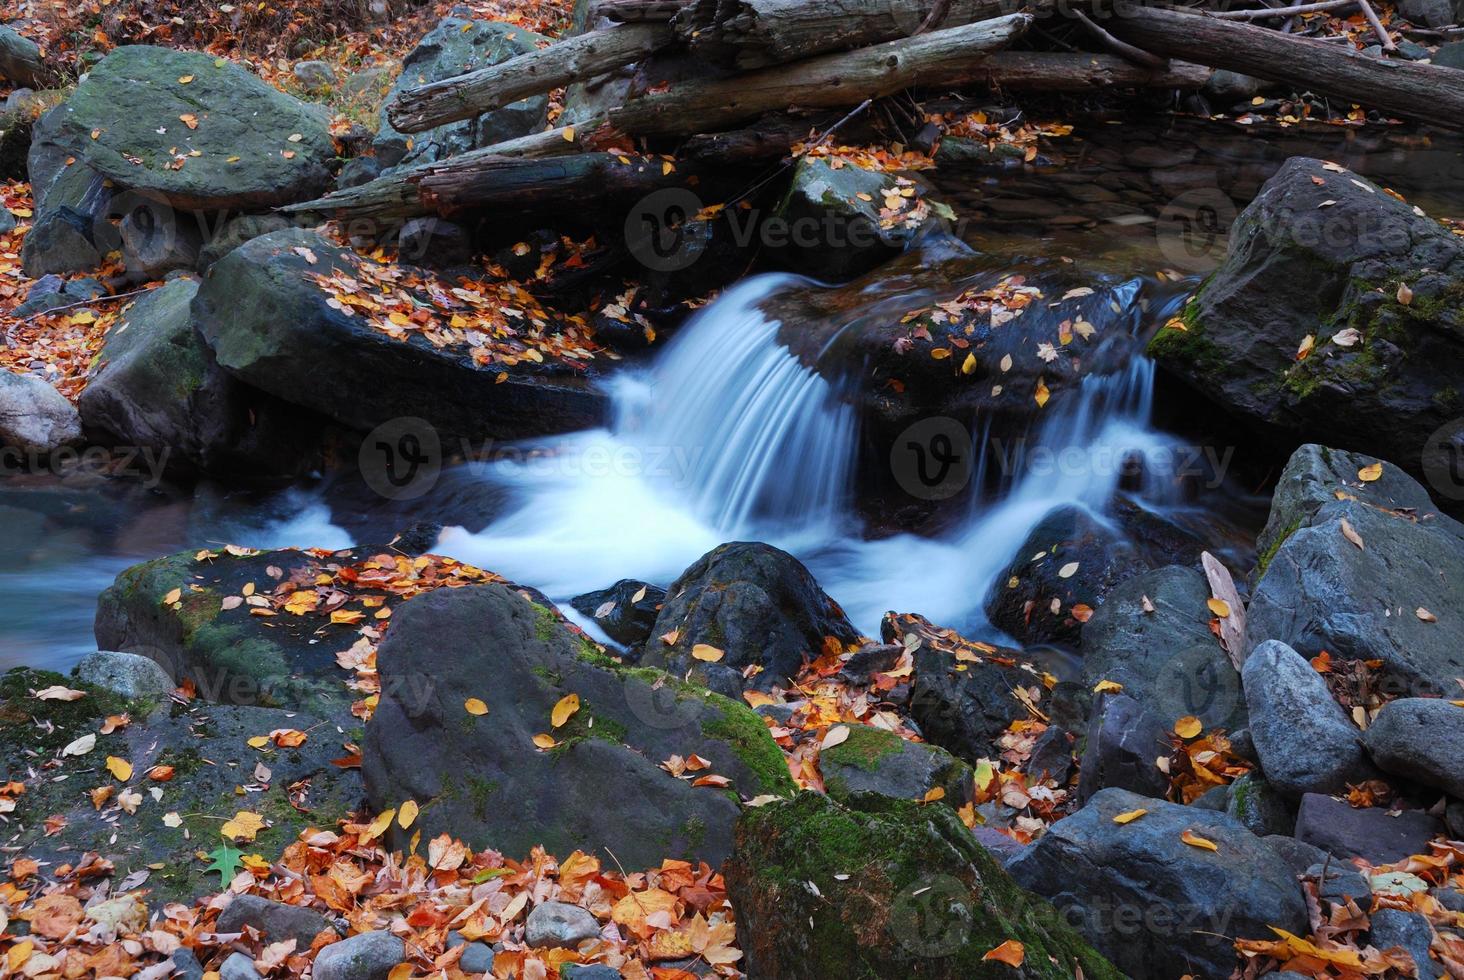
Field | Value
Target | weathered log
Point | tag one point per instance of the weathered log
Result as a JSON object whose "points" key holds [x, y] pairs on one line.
{"points": [[575, 59], [1061, 71], [638, 11], [562, 186], [1429, 93], [758, 33]]}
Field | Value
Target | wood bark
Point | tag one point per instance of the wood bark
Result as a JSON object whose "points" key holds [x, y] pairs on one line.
{"points": [[638, 11], [1061, 71], [575, 59], [1430, 93], [758, 33]]}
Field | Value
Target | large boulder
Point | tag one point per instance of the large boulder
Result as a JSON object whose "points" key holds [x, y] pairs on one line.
{"points": [[155, 387], [274, 327], [1125, 743], [600, 786], [1382, 376], [35, 418], [740, 606], [886, 888], [171, 133], [1392, 600], [1154, 904], [1305, 740], [1420, 739], [1152, 636], [455, 47]]}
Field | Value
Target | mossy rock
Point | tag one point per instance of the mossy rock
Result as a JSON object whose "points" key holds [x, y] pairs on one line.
{"points": [[872, 760], [884, 888]]}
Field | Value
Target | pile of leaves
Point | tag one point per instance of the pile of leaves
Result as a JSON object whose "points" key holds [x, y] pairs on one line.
{"points": [[977, 126]]}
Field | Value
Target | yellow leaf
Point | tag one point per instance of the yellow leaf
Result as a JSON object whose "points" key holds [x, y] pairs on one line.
{"points": [[968, 366], [933, 794], [545, 741], [1188, 727], [348, 617], [1129, 816], [757, 699], [475, 706], [172, 597], [189, 119], [1195, 840], [1042, 393], [379, 825], [564, 710], [1219, 607], [1107, 687], [120, 768], [185, 79], [707, 653], [569, 134], [1368, 474], [243, 827], [402, 971], [1010, 952], [407, 815], [259, 741]]}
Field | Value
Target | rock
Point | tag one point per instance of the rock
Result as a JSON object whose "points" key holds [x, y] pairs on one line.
{"points": [[1341, 884], [755, 604], [238, 967], [601, 787], [51, 292], [1298, 855], [1368, 832], [362, 170], [277, 921], [626, 611], [434, 242], [1359, 603], [157, 388], [872, 760], [477, 958], [315, 76], [1454, 818], [126, 674], [1388, 386], [20, 59], [35, 419], [455, 47], [595, 971], [1421, 739], [271, 327], [955, 151], [1306, 741], [1124, 743], [1450, 898], [16, 125], [155, 241], [7, 222], [1167, 660], [1229, 87], [1258, 807], [186, 965], [553, 924], [885, 888], [367, 956], [1153, 904], [1450, 55], [1410, 930], [1070, 559], [1429, 13]]}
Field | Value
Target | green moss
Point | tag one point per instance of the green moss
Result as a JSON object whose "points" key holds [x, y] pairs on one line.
{"points": [[546, 623], [864, 748], [694, 832], [744, 732], [45, 726], [1189, 346], [1263, 562]]}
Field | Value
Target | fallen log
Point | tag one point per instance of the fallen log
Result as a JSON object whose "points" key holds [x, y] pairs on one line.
{"points": [[1429, 93], [1061, 71], [638, 11], [758, 33], [575, 59]]}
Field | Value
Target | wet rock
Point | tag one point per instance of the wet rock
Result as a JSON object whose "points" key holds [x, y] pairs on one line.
{"points": [[1193, 900], [600, 788], [553, 924], [1258, 807], [1069, 560], [368, 956], [1167, 659], [35, 418], [755, 604], [1340, 884], [1229, 87], [275, 920], [52, 292], [455, 47], [884, 888], [955, 151], [1306, 741], [1410, 930], [1368, 832], [1316, 590], [626, 611], [362, 170], [1124, 743], [127, 674], [1421, 739], [1379, 378], [238, 967], [271, 327], [316, 76], [872, 760]]}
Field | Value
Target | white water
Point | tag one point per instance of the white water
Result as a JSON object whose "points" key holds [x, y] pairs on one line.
{"points": [[730, 438]]}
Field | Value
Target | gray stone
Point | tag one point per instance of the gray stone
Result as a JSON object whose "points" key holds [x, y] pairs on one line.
{"points": [[1429, 13], [186, 965], [1341, 884], [316, 76], [1263, 811], [1230, 87], [1124, 742], [1450, 55], [7, 222], [1298, 855], [626, 611], [1184, 905], [594, 971], [1305, 739], [275, 920], [368, 956], [553, 924], [1318, 591], [127, 674], [872, 760], [35, 418], [362, 170], [20, 59], [434, 242], [52, 292], [1450, 898], [157, 240], [1410, 930], [1368, 832], [1420, 739], [477, 958], [238, 967]]}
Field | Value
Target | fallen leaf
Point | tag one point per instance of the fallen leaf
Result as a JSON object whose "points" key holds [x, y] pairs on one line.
{"points": [[1425, 615], [1369, 474], [1195, 840], [1129, 816], [1351, 535], [59, 693], [244, 826], [407, 815], [1188, 727], [564, 710], [1011, 952], [1219, 607], [119, 768], [475, 706], [707, 653]]}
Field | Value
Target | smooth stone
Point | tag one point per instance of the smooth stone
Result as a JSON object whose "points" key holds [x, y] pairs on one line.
{"points": [[277, 921], [1410, 930], [559, 924], [239, 967], [127, 674], [368, 956], [1421, 739], [1369, 832]]}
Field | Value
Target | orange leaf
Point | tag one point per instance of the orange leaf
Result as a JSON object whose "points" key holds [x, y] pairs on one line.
{"points": [[1011, 952]]}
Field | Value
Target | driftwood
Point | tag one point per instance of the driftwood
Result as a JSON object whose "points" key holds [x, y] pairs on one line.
{"points": [[1430, 93], [758, 33], [576, 59]]}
